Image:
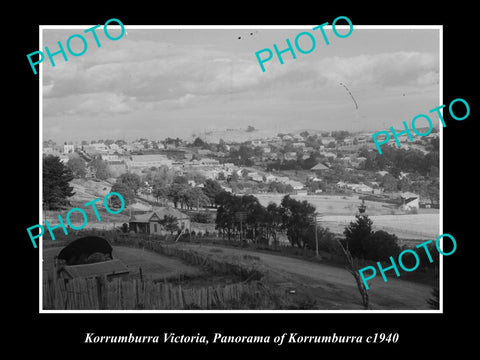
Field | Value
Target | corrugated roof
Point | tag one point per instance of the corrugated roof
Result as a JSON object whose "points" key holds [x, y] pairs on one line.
{"points": [[408, 195], [96, 269]]}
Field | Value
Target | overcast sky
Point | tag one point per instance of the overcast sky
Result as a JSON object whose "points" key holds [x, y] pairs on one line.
{"points": [[156, 83]]}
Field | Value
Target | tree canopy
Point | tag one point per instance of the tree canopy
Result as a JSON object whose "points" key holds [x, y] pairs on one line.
{"points": [[126, 192], [77, 166], [130, 180], [56, 183]]}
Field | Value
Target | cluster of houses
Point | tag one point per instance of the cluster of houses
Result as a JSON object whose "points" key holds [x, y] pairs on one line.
{"points": [[121, 158]]}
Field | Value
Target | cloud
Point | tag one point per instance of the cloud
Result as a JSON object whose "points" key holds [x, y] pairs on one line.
{"points": [[88, 104], [146, 77], [384, 69]]}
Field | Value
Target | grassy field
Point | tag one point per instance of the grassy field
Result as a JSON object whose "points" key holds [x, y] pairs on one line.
{"points": [[305, 284], [418, 226], [336, 212], [332, 204]]}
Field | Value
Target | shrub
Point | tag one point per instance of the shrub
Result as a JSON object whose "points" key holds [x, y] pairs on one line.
{"points": [[97, 257], [380, 246], [356, 234], [201, 217]]}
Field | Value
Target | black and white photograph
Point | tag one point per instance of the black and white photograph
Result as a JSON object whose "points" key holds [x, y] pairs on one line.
{"points": [[254, 178], [242, 189]]}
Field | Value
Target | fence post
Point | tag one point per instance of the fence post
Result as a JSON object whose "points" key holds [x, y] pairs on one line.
{"points": [[101, 283]]}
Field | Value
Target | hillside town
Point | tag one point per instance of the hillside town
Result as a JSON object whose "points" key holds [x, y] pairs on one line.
{"points": [[303, 163]]}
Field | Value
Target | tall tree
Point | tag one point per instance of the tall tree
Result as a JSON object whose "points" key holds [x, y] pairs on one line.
{"points": [[127, 194], [77, 166], [100, 168], [297, 218], [160, 191], [177, 193], [195, 197], [131, 180], [198, 142], [274, 222], [170, 223], [211, 188], [357, 233], [56, 179]]}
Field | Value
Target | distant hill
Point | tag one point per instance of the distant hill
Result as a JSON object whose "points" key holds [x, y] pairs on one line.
{"points": [[242, 135], [236, 135]]}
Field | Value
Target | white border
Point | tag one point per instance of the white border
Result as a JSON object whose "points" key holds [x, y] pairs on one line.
{"points": [[127, 27]]}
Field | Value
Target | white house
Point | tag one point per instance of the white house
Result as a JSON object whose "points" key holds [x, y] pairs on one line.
{"points": [[409, 201], [68, 148], [298, 145]]}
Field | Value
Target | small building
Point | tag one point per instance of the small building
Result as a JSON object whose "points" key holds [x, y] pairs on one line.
{"points": [[298, 145], [319, 167], [68, 148], [409, 201], [348, 141], [150, 222], [110, 269], [148, 161]]}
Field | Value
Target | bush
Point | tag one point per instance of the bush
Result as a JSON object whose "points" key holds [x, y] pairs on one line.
{"points": [[326, 240], [202, 217], [97, 257], [380, 246], [357, 233]]}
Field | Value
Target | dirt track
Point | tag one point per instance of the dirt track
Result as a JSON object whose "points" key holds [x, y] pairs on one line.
{"points": [[333, 288]]}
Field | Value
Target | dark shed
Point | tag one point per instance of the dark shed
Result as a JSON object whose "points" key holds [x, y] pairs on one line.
{"points": [[79, 250]]}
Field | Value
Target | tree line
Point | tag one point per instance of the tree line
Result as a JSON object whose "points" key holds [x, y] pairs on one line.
{"points": [[243, 217]]}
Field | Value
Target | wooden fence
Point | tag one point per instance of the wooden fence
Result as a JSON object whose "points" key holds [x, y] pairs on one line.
{"points": [[118, 294]]}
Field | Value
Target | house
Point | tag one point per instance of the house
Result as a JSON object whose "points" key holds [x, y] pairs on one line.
{"points": [[209, 162], [109, 157], [314, 179], [329, 154], [150, 222], [298, 145], [110, 269], [269, 178], [328, 139], [348, 141], [319, 167], [115, 147], [204, 152], [255, 177], [409, 201], [100, 147], [292, 155], [362, 139], [148, 161], [296, 185], [68, 148]]}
